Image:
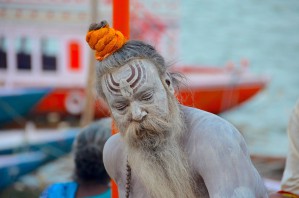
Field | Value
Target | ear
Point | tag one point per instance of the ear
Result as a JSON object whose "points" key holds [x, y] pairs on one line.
{"points": [[167, 80]]}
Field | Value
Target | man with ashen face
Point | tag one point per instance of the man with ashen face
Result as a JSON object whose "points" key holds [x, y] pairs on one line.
{"points": [[164, 149]]}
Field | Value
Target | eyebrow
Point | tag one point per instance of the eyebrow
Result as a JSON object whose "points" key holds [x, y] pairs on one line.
{"points": [[143, 91], [119, 100]]}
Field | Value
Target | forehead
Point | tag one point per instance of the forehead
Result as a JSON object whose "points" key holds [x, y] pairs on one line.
{"points": [[130, 77]]}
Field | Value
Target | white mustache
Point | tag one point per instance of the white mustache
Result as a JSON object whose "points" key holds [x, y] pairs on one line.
{"points": [[148, 133]]}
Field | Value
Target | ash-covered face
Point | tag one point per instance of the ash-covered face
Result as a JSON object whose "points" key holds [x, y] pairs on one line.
{"points": [[133, 91]]}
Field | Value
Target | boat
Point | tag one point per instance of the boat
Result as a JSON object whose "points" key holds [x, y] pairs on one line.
{"points": [[218, 89], [22, 153], [47, 140], [12, 167], [17, 103], [60, 57]]}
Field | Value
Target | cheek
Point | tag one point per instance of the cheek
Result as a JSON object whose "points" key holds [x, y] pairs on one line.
{"points": [[122, 121], [161, 103]]}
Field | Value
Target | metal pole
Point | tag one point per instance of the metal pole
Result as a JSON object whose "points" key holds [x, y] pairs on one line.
{"points": [[121, 16], [121, 22]]}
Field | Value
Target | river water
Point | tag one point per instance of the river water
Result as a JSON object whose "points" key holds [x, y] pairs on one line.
{"points": [[266, 32]]}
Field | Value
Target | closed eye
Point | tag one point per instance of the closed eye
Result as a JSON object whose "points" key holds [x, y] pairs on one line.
{"points": [[120, 107], [147, 96]]}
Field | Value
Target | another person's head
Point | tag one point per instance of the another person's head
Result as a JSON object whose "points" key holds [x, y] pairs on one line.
{"points": [[133, 79], [88, 153]]}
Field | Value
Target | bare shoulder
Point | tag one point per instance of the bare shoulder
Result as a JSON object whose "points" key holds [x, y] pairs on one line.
{"points": [[218, 151], [113, 156], [209, 131], [208, 125]]}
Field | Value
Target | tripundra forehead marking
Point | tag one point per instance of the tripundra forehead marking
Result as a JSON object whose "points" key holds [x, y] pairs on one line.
{"points": [[131, 79]]}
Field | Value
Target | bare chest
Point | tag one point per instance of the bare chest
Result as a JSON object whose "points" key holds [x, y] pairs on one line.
{"points": [[129, 184]]}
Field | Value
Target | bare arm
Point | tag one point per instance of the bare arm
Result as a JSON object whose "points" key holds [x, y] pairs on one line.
{"points": [[112, 156], [114, 161], [220, 156], [290, 179]]}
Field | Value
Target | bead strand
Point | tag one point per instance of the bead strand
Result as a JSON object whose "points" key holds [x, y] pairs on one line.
{"points": [[128, 179]]}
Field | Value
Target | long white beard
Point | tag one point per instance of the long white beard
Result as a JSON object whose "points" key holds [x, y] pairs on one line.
{"points": [[155, 154]]}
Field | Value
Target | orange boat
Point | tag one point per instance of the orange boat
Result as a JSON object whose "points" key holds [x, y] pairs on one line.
{"points": [[218, 89]]}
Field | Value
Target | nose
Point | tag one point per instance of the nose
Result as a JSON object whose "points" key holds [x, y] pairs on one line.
{"points": [[137, 113]]}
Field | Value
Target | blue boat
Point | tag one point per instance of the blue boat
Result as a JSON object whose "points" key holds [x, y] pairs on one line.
{"points": [[18, 160], [15, 103], [14, 166]]}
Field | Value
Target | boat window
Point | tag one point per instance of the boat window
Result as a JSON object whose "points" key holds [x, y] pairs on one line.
{"points": [[3, 53], [49, 48], [24, 49], [74, 56]]}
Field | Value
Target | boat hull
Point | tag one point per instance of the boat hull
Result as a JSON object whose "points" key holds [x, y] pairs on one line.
{"points": [[219, 99], [16, 103], [19, 157], [18, 165]]}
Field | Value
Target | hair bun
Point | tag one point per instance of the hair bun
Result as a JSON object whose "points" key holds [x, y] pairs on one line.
{"points": [[104, 40]]}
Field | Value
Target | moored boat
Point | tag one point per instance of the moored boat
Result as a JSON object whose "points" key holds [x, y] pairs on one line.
{"points": [[12, 167], [21, 153], [17, 102], [218, 89]]}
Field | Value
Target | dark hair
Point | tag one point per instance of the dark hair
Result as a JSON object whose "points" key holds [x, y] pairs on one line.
{"points": [[88, 152]]}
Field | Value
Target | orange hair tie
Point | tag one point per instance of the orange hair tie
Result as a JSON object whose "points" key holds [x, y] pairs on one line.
{"points": [[104, 40]]}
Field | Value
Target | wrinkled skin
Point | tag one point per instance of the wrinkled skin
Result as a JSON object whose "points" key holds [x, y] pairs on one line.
{"points": [[216, 152]]}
